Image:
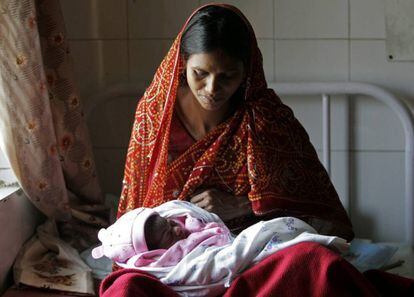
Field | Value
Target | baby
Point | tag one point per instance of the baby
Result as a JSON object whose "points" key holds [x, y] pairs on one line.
{"points": [[142, 237], [162, 233], [192, 251]]}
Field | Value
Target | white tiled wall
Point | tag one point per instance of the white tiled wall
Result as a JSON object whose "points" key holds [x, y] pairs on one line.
{"points": [[99, 62], [314, 19], [367, 19], [310, 60], [95, 19], [145, 56], [157, 19], [368, 63], [301, 40]]}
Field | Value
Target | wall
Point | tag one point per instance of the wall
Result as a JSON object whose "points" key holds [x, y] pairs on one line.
{"points": [[18, 219], [301, 40], [21, 219]]}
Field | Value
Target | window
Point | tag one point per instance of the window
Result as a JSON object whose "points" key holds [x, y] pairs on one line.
{"points": [[8, 181]]}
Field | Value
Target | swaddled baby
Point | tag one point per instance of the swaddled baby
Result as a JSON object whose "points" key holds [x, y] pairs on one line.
{"points": [[142, 237], [192, 251]]}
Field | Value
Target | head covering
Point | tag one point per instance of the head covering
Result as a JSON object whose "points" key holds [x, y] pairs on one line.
{"points": [[261, 152], [126, 237]]}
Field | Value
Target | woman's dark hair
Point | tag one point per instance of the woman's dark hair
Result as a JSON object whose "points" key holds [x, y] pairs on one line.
{"points": [[213, 28]]}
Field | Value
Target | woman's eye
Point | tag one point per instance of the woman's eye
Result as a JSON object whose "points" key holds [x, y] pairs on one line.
{"points": [[200, 73], [228, 76]]}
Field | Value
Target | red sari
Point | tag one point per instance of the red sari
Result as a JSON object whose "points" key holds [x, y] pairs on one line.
{"points": [[262, 152]]}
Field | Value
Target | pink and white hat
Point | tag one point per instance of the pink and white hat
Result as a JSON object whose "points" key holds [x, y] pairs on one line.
{"points": [[126, 237]]}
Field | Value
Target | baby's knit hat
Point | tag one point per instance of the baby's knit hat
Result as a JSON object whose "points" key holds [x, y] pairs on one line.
{"points": [[126, 237]]}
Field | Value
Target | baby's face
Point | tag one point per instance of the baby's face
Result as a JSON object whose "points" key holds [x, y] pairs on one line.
{"points": [[162, 233]]}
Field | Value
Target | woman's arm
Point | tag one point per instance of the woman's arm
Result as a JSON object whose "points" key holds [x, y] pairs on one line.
{"points": [[237, 213]]}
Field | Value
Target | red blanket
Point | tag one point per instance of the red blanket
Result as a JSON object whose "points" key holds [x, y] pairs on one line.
{"points": [[306, 269]]}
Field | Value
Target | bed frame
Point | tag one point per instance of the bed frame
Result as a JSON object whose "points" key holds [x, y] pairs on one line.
{"points": [[325, 90]]}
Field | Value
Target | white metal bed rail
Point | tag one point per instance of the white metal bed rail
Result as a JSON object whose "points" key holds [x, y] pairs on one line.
{"points": [[356, 88], [325, 89]]}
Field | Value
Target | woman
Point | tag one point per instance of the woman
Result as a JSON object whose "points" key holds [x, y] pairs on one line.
{"points": [[208, 130]]}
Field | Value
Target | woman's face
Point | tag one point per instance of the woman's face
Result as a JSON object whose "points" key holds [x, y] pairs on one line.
{"points": [[213, 78]]}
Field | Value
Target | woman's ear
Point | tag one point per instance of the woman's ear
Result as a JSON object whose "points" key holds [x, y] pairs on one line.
{"points": [[183, 64], [183, 71]]}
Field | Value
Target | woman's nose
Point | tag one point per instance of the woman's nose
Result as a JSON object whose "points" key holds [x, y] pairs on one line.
{"points": [[212, 86]]}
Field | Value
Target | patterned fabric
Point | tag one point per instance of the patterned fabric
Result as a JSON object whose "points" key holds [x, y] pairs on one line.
{"points": [[44, 135], [180, 139], [42, 122], [262, 151], [47, 262]]}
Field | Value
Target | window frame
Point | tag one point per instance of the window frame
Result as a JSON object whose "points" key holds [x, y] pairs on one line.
{"points": [[8, 180]]}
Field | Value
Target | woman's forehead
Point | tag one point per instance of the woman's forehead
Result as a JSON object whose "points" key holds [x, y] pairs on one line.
{"points": [[214, 61]]}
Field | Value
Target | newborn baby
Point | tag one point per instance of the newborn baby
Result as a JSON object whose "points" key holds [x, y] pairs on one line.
{"points": [[192, 251], [142, 237], [162, 233]]}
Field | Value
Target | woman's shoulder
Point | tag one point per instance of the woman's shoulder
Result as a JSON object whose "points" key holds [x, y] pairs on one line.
{"points": [[269, 106]]}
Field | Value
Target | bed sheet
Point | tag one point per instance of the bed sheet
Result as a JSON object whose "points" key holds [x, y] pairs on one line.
{"points": [[404, 253]]}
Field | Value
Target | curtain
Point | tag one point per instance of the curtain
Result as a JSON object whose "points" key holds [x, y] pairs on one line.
{"points": [[42, 125]]}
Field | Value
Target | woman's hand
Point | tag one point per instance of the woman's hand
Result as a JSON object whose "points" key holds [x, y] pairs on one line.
{"points": [[223, 204]]}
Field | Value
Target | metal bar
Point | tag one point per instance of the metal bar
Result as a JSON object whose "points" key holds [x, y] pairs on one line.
{"points": [[318, 88], [398, 106], [326, 132]]}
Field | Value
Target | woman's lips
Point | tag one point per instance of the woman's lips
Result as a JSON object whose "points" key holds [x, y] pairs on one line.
{"points": [[210, 99]]}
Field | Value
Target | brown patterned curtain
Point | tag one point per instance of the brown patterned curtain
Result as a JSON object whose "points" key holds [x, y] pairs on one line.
{"points": [[42, 123]]}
